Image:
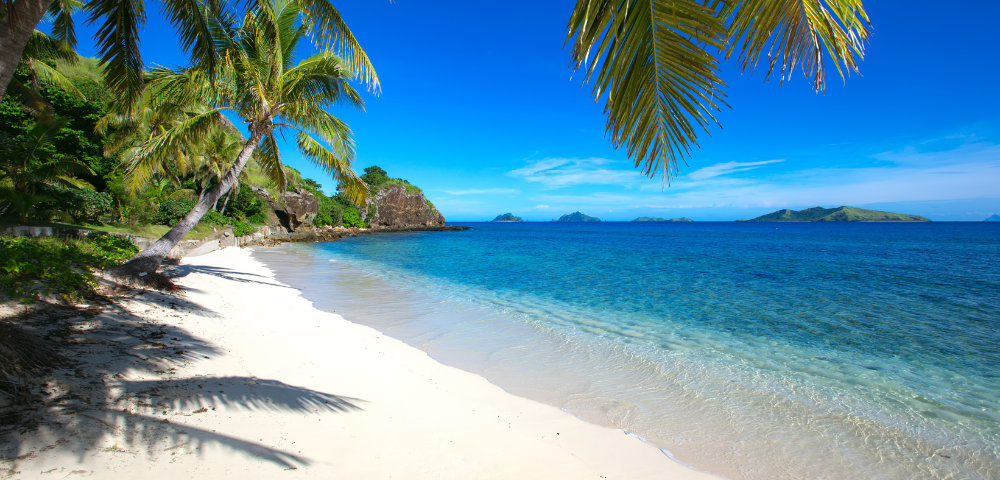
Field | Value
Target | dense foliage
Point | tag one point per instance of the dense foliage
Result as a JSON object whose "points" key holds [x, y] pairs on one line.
{"points": [[34, 267]]}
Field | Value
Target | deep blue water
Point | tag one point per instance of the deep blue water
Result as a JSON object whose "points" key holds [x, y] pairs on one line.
{"points": [[796, 350]]}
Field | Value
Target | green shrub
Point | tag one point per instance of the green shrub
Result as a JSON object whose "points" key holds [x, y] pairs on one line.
{"points": [[259, 218], [172, 211], [332, 214], [81, 204], [213, 217], [31, 267], [249, 206], [118, 249], [243, 228], [352, 218]]}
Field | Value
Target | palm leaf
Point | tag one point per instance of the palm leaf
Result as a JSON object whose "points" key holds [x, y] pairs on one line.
{"points": [[799, 32], [52, 76], [118, 45], [659, 83], [152, 154], [337, 166], [658, 80], [324, 24]]}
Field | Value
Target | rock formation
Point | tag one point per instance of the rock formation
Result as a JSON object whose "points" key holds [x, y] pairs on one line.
{"points": [[299, 208], [392, 208]]}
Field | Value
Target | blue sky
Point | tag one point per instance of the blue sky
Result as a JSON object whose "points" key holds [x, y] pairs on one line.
{"points": [[479, 108]]}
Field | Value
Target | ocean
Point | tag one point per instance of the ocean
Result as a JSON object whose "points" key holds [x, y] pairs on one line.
{"points": [[749, 350]]}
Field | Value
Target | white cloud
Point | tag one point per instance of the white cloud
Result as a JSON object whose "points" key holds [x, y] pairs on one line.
{"points": [[727, 168], [487, 191], [564, 172], [541, 207]]}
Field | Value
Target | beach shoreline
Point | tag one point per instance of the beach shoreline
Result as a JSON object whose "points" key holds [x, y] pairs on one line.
{"points": [[260, 383]]}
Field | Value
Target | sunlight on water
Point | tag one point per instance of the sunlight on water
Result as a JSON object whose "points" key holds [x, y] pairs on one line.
{"points": [[809, 351]]}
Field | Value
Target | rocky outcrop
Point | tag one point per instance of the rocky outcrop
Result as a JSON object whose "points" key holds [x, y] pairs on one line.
{"points": [[301, 206], [298, 208], [392, 208]]}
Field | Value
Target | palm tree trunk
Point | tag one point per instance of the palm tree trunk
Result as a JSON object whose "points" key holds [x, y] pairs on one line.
{"points": [[148, 260], [15, 30]]}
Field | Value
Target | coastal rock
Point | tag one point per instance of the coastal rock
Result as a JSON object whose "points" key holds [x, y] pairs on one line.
{"points": [[993, 218], [393, 208], [299, 208]]}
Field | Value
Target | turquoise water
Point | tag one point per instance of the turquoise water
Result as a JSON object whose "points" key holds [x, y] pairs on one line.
{"points": [[792, 350]]}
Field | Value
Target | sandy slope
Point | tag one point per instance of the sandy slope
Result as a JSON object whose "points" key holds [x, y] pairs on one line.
{"points": [[258, 384]]}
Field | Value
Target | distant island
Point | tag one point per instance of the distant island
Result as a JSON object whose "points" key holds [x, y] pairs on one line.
{"points": [[508, 217], [658, 219], [993, 218], [839, 214], [577, 217]]}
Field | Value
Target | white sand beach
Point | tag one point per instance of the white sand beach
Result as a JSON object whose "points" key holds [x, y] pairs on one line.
{"points": [[262, 385]]}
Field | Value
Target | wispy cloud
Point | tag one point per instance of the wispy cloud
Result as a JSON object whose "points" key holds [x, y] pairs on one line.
{"points": [[564, 172], [727, 168], [486, 191]]}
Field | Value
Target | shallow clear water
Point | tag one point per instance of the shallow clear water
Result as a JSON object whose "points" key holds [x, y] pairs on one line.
{"points": [[751, 350]]}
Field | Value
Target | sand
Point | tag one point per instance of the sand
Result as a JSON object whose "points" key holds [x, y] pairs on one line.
{"points": [[251, 381]]}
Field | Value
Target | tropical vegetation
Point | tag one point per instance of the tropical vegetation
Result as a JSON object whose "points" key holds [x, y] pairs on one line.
{"points": [[253, 74]]}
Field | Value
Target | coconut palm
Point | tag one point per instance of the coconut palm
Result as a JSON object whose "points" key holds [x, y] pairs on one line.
{"points": [[657, 61], [26, 167], [257, 79], [120, 22]]}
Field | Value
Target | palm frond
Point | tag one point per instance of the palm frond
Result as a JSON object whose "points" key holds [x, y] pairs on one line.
{"points": [[268, 159], [152, 154], [329, 31], [52, 76], [63, 28], [659, 83], [798, 32], [31, 102], [337, 166], [118, 45]]}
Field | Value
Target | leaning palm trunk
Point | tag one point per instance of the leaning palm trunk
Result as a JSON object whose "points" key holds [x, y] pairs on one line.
{"points": [[16, 28], [148, 260]]}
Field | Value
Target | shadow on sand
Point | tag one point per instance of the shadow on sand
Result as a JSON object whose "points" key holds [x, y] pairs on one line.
{"points": [[119, 383]]}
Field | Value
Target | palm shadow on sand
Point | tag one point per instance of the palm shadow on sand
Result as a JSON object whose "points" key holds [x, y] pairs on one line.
{"points": [[119, 383]]}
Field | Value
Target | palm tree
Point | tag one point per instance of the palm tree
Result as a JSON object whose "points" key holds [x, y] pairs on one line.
{"points": [[657, 61], [256, 78], [121, 21], [25, 167]]}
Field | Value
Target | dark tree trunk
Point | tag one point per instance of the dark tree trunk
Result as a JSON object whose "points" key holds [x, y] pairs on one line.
{"points": [[148, 260], [15, 30]]}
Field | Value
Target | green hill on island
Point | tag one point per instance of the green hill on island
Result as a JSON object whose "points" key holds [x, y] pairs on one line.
{"points": [[658, 219], [577, 217], [508, 217], [993, 218], [839, 214]]}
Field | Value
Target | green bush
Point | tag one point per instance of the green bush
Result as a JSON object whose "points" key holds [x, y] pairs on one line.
{"points": [[81, 204], [172, 211], [243, 228], [249, 206], [31, 267], [118, 249], [213, 217], [259, 218], [352, 218], [332, 214]]}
